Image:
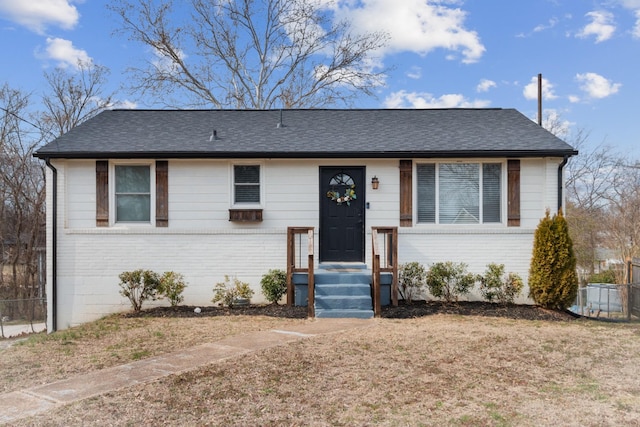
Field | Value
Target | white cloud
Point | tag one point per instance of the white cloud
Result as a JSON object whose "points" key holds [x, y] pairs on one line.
{"points": [[418, 26], [634, 6], [531, 90], [404, 99], [550, 24], [601, 26], [574, 99], [596, 86], [414, 73], [37, 15], [65, 53], [123, 105], [554, 123], [485, 85], [630, 4], [165, 64]]}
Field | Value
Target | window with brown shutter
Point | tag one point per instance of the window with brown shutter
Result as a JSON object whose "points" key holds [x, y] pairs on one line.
{"points": [[459, 193], [513, 193], [102, 193], [406, 193], [131, 193]]}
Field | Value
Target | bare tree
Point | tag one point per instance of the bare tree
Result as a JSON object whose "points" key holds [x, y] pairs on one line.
{"points": [[622, 232], [74, 97], [22, 209], [250, 53], [589, 194]]}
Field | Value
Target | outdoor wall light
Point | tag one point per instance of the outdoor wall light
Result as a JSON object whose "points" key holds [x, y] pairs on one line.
{"points": [[375, 182]]}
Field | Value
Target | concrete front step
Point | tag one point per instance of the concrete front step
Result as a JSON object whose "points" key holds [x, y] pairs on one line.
{"points": [[341, 314], [331, 277], [340, 289], [342, 302], [344, 289]]}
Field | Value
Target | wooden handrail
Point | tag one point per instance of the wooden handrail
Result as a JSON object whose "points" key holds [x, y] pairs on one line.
{"points": [[389, 264], [311, 292], [375, 260], [292, 267]]}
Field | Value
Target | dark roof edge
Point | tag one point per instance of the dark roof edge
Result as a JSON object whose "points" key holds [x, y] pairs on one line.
{"points": [[306, 155], [171, 110]]}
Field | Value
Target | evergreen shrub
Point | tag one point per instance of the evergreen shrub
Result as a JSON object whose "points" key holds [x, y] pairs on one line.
{"points": [[411, 280], [139, 286], [228, 292], [448, 280], [496, 286], [171, 286], [553, 281], [274, 285]]}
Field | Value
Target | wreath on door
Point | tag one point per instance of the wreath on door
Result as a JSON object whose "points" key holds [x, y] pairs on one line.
{"points": [[349, 193]]}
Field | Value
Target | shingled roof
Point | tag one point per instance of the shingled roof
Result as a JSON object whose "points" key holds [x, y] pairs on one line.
{"points": [[320, 133]]}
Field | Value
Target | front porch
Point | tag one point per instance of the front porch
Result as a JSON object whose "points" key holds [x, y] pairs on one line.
{"points": [[341, 290]]}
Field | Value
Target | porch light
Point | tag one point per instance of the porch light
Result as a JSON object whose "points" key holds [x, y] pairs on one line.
{"points": [[375, 182]]}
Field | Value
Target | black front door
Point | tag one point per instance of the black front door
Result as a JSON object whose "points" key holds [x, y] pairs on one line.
{"points": [[342, 214]]}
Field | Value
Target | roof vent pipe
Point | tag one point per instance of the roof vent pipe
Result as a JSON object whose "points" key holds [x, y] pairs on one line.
{"points": [[280, 123], [540, 99], [214, 135]]}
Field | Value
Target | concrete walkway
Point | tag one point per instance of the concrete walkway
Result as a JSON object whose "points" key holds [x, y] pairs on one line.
{"points": [[31, 401]]}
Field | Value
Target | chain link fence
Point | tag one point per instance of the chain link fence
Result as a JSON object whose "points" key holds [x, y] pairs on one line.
{"points": [[22, 316], [600, 300]]}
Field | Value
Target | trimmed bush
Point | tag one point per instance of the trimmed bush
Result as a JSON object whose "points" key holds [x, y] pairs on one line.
{"points": [[496, 286], [448, 280], [171, 286], [139, 286], [411, 280], [227, 292], [274, 285], [553, 282]]}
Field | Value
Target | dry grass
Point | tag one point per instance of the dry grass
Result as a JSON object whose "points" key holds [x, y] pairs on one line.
{"points": [[112, 341], [437, 370]]}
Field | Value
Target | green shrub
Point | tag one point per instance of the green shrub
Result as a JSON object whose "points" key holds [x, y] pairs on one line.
{"points": [[553, 282], [448, 280], [607, 276], [411, 279], [139, 286], [171, 286], [227, 292], [274, 285], [496, 286]]}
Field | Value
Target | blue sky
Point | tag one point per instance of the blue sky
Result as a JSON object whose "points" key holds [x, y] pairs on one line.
{"points": [[445, 54]]}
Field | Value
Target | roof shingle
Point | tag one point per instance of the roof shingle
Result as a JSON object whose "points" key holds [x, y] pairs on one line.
{"points": [[306, 133]]}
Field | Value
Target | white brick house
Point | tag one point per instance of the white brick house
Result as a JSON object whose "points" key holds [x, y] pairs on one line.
{"points": [[210, 193]]}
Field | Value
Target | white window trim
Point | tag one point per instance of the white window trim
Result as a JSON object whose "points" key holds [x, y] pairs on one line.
{"points": [[112, 193], [232, 189], [437, 162]]}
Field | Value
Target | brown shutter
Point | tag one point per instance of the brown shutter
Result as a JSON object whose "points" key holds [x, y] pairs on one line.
{"points": [[162, 193], [513, 193], [102, 193], [406, 192]]}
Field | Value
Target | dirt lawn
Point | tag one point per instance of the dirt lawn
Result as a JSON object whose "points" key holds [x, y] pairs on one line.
{"points": [[437, 369]]}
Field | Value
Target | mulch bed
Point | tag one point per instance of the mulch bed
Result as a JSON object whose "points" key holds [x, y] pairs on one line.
{"points": [[402, 311]]}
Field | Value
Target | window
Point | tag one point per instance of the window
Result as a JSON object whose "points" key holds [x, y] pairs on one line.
{"points": [[459, 193], [246, 184], [133, 193]]}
